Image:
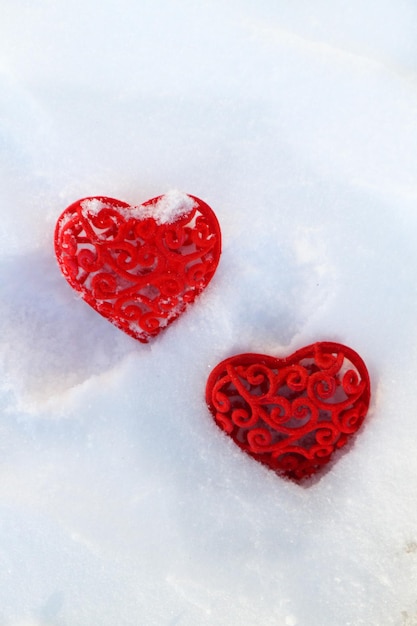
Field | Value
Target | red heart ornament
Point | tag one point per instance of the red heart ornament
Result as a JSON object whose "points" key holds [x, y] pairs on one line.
{"points": [[139, 267], [291, 414]]}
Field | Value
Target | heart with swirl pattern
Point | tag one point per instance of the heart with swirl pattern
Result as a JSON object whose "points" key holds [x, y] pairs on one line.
{"points": [[139, 266], [292, 414]]}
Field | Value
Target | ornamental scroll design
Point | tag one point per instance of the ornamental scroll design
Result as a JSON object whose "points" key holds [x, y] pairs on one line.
{"points": [[291, 414], [138, 273]]}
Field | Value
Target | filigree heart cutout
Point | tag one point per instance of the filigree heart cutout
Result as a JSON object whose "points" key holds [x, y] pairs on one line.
{"points": [[141, 266], [291, 414]]}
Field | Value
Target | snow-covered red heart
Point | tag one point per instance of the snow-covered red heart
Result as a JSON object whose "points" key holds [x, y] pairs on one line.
{"points": [[293, 413], [139, 266]]}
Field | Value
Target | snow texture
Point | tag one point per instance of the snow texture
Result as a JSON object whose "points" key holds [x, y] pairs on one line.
{"points": [[169, 208], [121, 502]]}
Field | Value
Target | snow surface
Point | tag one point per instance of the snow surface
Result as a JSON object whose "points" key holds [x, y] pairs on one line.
{"points": [[121, 503]]}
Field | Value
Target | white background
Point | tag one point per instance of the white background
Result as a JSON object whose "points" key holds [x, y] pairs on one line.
{"points": [[121, 502]]}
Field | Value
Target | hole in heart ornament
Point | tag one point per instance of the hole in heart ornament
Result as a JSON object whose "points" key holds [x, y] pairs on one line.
{"points": [[139, 267], [294, 413]]}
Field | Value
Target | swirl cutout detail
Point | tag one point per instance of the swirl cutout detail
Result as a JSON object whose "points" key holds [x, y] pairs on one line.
{"points": [[291, 414], [138, 270]]}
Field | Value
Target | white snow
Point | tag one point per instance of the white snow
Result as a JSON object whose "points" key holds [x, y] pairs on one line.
{"points": [[169, 208], [120, 501], [93, 206]]}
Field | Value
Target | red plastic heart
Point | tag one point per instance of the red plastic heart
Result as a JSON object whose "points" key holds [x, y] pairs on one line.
{"points": [[132, 265], [291, 414]]}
